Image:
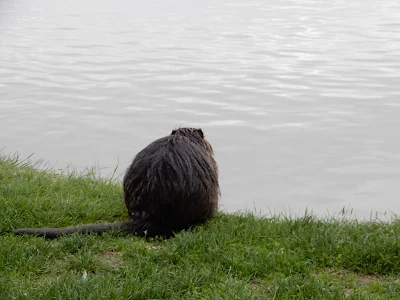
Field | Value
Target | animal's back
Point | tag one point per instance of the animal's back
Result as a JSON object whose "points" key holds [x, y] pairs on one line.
{"points": [[171, 185]]}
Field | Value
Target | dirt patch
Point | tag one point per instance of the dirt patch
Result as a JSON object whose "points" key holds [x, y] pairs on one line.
{"points": [[110, 258], [254, 286], [364, 279]]}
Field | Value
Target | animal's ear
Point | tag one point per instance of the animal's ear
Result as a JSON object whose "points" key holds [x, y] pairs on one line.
{"points": [[200, 132]]}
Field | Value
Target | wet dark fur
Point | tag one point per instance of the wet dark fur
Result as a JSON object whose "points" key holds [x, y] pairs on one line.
{"points": [[171, 185]]}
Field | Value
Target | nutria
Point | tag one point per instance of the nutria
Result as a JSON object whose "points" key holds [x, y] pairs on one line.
{"points": [[171, 185]]}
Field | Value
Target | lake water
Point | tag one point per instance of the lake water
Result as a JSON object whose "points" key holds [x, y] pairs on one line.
{"points": [[300, 99]]}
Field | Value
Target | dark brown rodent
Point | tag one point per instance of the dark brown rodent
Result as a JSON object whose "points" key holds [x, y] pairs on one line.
{"points": [[171, 185]]}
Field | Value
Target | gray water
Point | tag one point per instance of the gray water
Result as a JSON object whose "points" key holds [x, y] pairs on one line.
{"points": [[300, 99]]}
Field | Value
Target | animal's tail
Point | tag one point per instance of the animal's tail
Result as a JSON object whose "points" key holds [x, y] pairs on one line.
{"points": [[52, 233]]}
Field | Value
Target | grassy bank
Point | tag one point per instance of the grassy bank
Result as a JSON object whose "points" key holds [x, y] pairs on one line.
{"points": [[231, 257]]}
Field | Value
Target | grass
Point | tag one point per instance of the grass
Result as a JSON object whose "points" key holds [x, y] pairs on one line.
{"points": [[237, 256]]}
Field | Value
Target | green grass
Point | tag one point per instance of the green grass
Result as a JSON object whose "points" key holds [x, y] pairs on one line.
{"points": [[238, 256]]}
